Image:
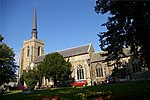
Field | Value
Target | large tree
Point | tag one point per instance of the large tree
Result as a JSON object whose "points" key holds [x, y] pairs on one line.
{"points": [[31, 78], [128, 25], [56, 67], [7, 63]]}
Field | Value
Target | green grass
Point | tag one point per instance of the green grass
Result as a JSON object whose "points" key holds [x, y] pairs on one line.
{"points": [[125, 89]]}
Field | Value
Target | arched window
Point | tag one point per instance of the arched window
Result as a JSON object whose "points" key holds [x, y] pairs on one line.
{"points": [[80, 72], [136, 66], [28, 51], [99, 71], [39, 51]]}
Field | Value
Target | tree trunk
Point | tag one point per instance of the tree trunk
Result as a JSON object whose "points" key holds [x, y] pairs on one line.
{"points": [[40, 82], [55, 82]]}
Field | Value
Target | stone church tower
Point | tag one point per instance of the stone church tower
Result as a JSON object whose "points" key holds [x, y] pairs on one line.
{"points": [[32, 48]]}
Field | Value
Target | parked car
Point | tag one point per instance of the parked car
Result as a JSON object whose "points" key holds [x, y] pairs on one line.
{"points": [[64, 83], [111, 80], [79, 83]]}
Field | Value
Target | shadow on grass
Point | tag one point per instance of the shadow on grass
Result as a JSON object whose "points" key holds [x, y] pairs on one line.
{"points": [[63, 93], [121, 91]]}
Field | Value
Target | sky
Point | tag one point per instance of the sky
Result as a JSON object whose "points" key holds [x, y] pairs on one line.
{"points": [[61, 24]]}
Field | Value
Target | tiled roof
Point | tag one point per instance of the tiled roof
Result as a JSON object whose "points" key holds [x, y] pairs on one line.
{"points": [[97, 57], [39, 59], [75, 51], [69, 52]]}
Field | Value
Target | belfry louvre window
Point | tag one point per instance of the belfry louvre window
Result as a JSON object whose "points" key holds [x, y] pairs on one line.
{"points": [[99, 71], [39, 51], [28, 51], [80, 72]]}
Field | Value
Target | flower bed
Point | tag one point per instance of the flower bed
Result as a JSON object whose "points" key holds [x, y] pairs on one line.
{"points": [[95, 95], [48, 98]]}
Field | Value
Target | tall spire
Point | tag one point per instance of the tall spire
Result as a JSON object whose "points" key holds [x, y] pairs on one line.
{"points": [[34, 27]]}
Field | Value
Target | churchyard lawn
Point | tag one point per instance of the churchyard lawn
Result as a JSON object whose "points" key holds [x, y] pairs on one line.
{"points": [[118, 91]]}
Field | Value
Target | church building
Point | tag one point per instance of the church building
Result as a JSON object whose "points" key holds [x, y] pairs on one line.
{"points": [[86, 63]]}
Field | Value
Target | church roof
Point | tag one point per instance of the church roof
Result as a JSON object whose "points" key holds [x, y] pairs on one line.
{"points": [[39, 59], [69, 52], [75, 51], [97, 57]]}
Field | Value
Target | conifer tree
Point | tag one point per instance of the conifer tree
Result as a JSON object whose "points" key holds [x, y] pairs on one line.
{"points": [[128, 25]]}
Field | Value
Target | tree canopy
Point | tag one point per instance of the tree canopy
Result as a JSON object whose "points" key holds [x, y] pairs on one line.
{"points": [[128, 25], [7, 63], [55, 66]]}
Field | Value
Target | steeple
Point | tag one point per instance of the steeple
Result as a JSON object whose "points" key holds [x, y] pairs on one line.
{"points": [[34, 27]]}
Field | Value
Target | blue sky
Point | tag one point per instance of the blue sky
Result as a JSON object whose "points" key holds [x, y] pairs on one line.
{"points": [[61, 24]]}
